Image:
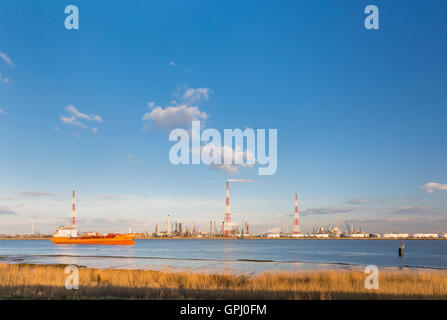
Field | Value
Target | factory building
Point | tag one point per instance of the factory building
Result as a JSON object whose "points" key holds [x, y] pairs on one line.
{"points": [[395, 235], [358, 235], [297, 235], [273, 235], [321, 235], [424, 235]]}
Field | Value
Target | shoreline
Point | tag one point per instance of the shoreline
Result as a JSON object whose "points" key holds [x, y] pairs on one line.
{"points": [[247, 238], [19, 281], [305, 266]]}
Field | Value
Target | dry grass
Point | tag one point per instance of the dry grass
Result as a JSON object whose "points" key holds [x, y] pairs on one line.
{"points": [[47, 282]]}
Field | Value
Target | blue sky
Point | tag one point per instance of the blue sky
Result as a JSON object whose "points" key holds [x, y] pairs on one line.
{"points": [[361, 114]]}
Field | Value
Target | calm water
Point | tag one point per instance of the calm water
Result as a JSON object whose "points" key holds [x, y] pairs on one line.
{"points": [[238, 256]]}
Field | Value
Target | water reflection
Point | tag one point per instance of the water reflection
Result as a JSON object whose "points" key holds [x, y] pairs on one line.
{"points": [[234, 256]]}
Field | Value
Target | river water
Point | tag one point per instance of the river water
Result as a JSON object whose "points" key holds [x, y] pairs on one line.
{"points": [[235, 256]]}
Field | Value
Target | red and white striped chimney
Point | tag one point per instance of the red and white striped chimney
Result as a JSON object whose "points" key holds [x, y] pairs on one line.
{"points": [[296, 222], [74, 210], [227, 218]]}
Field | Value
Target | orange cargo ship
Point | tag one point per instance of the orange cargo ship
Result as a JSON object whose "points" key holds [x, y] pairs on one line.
{"points": [[69, 235], [116, 239]]}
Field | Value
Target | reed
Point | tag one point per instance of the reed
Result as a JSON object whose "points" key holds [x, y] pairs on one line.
{"points": [[24, 281]]}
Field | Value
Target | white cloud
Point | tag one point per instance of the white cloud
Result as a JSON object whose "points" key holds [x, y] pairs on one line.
{"points": [[6, 58], [326, 210], [72, 121], [182, 115], [93, 117], [75, 117], [3, 112], [5, 80], [151, 105], [6, 211], [365, 201], [359, 201], [133, 158], [33, 194], [173, 117], [172, 64], [417, 210], [191, 95], [432, 186], [239, 158], [178, 115], [229, 169]]}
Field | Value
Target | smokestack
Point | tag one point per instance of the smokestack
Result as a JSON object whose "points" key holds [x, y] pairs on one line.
{"points": [[227, 219], [168, 225], [296, 223], [74, 210], [226, 227]]}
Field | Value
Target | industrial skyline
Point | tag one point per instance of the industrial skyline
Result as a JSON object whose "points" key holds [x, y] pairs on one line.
{"points": [[176, 228]]}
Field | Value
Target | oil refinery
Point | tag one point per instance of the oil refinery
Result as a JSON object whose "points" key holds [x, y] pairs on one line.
{"points": [[226, 228]]}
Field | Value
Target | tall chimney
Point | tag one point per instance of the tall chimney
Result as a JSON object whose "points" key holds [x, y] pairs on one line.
{"points": [[74, 210], [227, 219], [296, 223], [169, 224]]}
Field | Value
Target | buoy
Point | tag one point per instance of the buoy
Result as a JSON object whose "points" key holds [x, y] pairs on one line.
{"points": [[401, 248]]}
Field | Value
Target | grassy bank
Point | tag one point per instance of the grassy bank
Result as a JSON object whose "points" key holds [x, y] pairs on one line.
{"points": [[47, 282]]}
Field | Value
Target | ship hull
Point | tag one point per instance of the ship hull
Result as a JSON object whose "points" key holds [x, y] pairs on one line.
{"points": [[118, 240]]}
